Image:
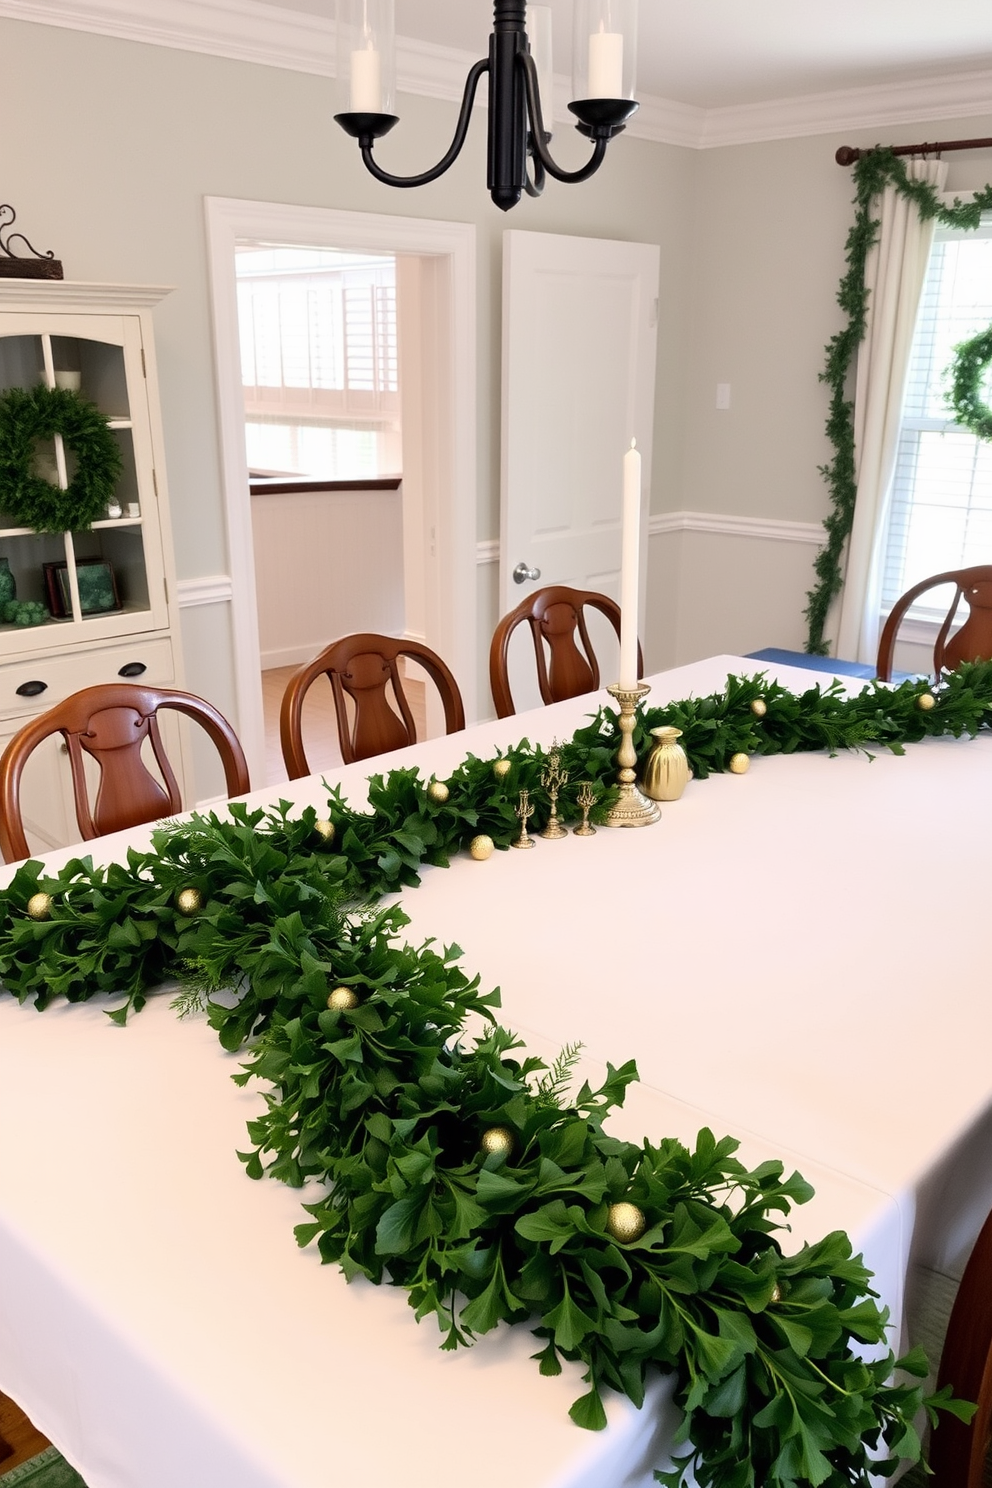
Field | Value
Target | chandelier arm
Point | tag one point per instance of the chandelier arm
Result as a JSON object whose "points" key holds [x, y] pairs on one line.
{"points": [[542, 155], [534, 186], [461, 130]]}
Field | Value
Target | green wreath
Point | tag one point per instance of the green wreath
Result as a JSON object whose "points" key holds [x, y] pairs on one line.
{"points": [[968, 371], [27, 415]]}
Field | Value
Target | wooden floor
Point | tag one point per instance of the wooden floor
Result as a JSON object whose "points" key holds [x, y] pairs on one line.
{"points": [[320, 731], [19, 1441]]}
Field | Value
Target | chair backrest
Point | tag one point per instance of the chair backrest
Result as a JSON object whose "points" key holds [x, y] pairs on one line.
{"points": [[958, 1452], [566, 661], [365, 668], [111, 724], [973, 642]]}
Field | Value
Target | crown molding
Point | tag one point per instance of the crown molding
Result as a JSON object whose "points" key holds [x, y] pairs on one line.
{"points": [[960, 95], [269, 35]]}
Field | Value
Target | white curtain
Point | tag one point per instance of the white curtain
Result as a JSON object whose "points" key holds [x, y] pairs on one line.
{"points": [[894, 275]]}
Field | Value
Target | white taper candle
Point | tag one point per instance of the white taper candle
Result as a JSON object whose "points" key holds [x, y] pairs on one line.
{"points": [[630, 565]]}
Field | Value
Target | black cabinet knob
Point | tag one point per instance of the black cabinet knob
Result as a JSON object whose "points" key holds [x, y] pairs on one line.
{"points": [[132, 669], [31, 689]]}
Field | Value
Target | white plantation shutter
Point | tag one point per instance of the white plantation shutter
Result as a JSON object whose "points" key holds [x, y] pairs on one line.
{"points": [[319, 361], [941, 508]]}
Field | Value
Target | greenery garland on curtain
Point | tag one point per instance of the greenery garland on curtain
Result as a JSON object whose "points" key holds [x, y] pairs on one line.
{"points": [[872, 173], [472, 1177]]}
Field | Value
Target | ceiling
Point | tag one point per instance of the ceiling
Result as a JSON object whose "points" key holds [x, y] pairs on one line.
{"points": [[721, 53]]}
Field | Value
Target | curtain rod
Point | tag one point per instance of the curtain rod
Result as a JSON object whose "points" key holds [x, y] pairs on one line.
{"points": [[847, 154]]}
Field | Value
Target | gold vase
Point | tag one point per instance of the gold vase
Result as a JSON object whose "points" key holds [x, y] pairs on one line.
{"points": [[667, 770]]}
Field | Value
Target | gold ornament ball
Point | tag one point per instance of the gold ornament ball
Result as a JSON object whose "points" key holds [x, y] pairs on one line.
{"points": [[438, 791], [626, 1222], [481, 847], [502, 768], [188, 901], [342, 998], [325, 829], [759, 707], [40, 906], [739, 764], [497, 1139], [926, 701]]}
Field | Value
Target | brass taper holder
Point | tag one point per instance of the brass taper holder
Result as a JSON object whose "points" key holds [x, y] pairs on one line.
{"points": [[631, 809]]}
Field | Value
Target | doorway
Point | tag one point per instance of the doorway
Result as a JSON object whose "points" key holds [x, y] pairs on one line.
{"points": [[436, 274]]}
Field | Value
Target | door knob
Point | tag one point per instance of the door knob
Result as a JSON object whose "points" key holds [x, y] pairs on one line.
{"points": [[522, 573]]}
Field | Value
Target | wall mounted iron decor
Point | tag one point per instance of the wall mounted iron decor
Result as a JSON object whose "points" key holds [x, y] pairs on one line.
{"points": [[34, 265]]}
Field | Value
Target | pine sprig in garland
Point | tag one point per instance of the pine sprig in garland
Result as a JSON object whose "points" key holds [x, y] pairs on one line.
{"points": [[379, 1097], [873, 171]]}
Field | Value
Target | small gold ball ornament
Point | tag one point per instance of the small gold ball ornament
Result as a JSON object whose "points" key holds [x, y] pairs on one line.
{"points": [[926, 701], [188, 901], [759, 707], [325, 829], [502, 768], [438, 791], [497, 1139], [481, 847], [39, 906], [342, 998], [626, 1222], [739, 764]]}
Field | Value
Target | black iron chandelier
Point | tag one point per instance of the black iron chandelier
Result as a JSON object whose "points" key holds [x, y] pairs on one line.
{"points": [[519, 68]]}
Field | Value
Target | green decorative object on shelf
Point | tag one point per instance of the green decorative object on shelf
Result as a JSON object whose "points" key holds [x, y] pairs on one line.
{"points": [[23, 612], [969, 373], [30, 414], [8, 584]]}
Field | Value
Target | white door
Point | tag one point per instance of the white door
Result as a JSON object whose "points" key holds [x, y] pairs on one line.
{"points": [[579, 350]]}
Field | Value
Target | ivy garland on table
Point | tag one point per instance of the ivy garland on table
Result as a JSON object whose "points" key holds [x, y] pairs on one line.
{"points": [[27, 415], [968, 372], [466, 1173], [872, 173]]}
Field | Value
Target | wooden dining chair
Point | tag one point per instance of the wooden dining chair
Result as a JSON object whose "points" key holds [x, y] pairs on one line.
{"points": [[566, 661], [364, 668], [973, 642], [111, 724], [959, 1452]]}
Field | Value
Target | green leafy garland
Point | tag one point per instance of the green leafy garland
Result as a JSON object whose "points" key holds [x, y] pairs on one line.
{"points": [[872, 173], [968, 372], [466, 1174], [27, 415]]}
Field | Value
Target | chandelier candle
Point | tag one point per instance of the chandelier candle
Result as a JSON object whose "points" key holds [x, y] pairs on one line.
{"points": [[606, 64], [366, 82], [629, 566]]}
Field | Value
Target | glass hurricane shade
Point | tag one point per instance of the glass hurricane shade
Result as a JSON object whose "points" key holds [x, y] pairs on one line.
{"points": [[366, 56], [604, 49]]}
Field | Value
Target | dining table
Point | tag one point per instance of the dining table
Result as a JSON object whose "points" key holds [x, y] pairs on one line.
{"points": [[794, 956]]}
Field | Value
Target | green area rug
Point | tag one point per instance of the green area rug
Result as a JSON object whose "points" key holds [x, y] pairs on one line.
{"points": [[48, 1470]]}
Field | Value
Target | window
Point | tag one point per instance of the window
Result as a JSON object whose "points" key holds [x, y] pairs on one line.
{"points": [[319, 362], [941, 508]]}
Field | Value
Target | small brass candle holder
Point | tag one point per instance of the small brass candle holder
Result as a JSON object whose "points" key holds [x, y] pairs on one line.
{"points": [[553, 777], [586, 800], [524, 810], [632, 809]]}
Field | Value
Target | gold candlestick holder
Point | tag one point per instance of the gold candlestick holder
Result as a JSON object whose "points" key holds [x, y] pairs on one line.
{"points": [[524, 811], [586, 800], [553, 777], [632, 809]]}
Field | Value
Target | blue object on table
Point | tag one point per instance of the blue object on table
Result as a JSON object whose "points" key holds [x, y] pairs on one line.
{"points": [[829, 664]]}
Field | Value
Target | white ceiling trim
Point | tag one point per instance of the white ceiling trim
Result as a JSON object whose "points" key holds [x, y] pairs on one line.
{"points": [[251, 31]]}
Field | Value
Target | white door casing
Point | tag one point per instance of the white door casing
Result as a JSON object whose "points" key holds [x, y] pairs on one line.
{"points": [[579, 354], [440, 565]]}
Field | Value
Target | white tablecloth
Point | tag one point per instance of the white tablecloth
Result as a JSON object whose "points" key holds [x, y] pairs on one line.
{"points": [[795, 956]]}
